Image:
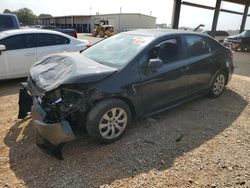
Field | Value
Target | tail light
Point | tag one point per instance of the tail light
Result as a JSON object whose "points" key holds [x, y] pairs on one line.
{"points": [[88, 45], [75, 34], [230, 56]]}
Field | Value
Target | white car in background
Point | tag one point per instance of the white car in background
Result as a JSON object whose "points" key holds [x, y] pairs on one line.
{"points": [[21, 48]]}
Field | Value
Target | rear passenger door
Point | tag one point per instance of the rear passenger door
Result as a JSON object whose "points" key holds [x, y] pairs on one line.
{"points": [[51, 43], [19, 55], [202, 57]]}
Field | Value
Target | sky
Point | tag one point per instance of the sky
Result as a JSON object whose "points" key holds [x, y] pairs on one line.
{"points": [[161, 9]]}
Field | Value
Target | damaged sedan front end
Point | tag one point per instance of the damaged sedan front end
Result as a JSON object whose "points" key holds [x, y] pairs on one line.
{"points": [[60, 101], [52, 114]]}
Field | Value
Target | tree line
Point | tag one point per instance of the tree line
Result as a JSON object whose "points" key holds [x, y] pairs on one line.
{"points": [[26, 16]]}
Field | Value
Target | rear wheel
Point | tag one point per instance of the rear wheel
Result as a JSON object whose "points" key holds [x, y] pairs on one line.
{"points": [[218, 85], [108, 120]]}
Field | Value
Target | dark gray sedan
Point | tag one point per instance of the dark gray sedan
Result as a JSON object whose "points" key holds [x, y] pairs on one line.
{"points": [[130, 75]]}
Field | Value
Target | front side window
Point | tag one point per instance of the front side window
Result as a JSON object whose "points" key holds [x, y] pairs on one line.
{"points": [[51, 40], [197, 46], [168, 51], [19, 42]]}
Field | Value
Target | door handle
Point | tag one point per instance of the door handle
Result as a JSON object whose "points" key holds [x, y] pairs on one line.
{"points": [[187, 68], [30, 54]]}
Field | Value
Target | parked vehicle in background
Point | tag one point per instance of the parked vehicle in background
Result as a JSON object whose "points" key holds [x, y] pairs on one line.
{"points": [[8, 21], [131, 74], [20, 48], [71, 32], [103, 29], [219, 35], [239, 42]]}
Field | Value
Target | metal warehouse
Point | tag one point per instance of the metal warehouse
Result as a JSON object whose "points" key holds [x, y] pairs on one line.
{"points": [[86, 23]]}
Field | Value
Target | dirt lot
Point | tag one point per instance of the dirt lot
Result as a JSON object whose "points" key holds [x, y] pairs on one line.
{"points": [[204, 143]]}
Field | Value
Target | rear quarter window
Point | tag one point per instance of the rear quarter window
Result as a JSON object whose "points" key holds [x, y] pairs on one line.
{"points": [[214, 45]]}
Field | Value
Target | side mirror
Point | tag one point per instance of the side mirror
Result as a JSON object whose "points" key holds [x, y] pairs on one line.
{"points": [[2, 48], [155, 63]]}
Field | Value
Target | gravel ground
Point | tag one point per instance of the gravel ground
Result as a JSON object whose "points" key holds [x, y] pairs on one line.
{"points": [[204, 143]]}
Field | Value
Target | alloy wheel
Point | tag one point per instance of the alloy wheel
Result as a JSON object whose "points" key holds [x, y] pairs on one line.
{"points": [[113, 123], [219, 84]]}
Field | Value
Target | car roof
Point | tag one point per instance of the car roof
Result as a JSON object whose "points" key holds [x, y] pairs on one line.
{"points": [[7, 14], [12, 32], [161, 32]]}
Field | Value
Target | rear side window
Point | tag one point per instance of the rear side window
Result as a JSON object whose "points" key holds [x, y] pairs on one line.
{"points": [[51, 40], [6, 22], [197, 45], [19, 42], [213, 45]]}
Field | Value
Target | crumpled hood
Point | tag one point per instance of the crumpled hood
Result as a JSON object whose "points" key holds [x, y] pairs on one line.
{"points": [[67, 68]]}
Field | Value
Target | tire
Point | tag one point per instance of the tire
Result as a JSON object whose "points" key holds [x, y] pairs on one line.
{"points": [[101, 34], [218, 85], [94, 34], [108, 120]]}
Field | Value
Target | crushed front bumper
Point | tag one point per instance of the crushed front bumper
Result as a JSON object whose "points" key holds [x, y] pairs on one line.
{"points": [[50, 136], [55, 133]]}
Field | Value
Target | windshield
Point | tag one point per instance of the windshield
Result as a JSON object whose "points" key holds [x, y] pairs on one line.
{"points": [[245, 33], [118, 50]]}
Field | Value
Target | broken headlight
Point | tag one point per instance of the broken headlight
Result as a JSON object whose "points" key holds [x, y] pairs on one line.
{"points": [[61, 102]]}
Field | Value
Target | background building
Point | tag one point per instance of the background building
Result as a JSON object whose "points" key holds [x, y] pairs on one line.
{"points": [[86, 23]]}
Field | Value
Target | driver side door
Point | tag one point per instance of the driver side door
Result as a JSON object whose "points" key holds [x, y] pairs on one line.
{"points": [[167, 84]]}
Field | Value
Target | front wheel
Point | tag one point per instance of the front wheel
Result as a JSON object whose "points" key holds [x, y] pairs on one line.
{"points": [[218, 85], [108, 120]]}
